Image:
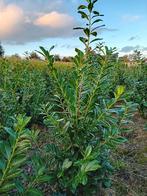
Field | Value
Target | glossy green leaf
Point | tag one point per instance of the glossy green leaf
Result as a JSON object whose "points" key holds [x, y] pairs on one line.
{"points": [[34, 191], [82, 7], [66, 164], [90, 166]]}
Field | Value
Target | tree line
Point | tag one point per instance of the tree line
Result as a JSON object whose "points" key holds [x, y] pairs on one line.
{"points": [[34, 55]]}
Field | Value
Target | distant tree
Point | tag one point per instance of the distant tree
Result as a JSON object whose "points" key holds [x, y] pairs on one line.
{"points": [[16, 56], [138, 57], [66, 59], [57, 57], [1, 50], [125, 58], [34, 55]]}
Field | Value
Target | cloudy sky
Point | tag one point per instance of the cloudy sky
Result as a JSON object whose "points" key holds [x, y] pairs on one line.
{"points": [[27, 24]]}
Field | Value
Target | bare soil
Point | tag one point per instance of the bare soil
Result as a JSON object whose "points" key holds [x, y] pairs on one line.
{"points": [[131, 180]]}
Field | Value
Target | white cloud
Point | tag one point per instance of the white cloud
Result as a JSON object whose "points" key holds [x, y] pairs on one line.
{"points": [[11, 17], [54, 20], [19, 25]]}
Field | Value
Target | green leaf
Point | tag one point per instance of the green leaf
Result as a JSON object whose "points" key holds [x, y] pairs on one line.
{"points": [[94, 1], [88, 152], [44, 52], [90, 166], [51, 48], [41, 169], [18, 161], [2, 145], [84, 40], [96, 21], [66, 164], [90, 7], [11, 163], [145, 103], [10, 132], [84, 179], [66, 126], [107, 183], [80, 53], [2, 163], [7, 150], [82, 7], [119, 91], [22, 121], [96, 13], [120, 140], [98, 27], [94, 40], [19, 186], [78, 28], [34, 192], [13, 175], [7, 187], [94, 33], [83, 14], [87, 32], [88, 1], [45, 178]]}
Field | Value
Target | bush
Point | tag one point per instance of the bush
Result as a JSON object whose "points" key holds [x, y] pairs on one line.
{"points": [[14, 143], [85, 123], [135, 79], [22, 90], [20, 174]]}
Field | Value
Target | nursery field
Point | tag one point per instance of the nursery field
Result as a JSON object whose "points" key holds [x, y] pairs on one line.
{"points": [[35, 121], [75, 128]]}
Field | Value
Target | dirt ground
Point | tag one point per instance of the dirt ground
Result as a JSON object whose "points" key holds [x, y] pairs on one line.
{"points": [[131, 180]]}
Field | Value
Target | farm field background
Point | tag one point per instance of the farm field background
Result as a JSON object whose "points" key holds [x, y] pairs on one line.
{"points": [[25, 88], [74, 126]]}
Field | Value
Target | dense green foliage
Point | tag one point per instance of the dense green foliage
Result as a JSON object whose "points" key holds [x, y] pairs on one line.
{"points": [[135, 80], [60, 127], [22, 90], [85, 123], [13, 153]]}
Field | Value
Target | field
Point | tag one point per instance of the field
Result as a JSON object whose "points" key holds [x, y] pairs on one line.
{"points": [[27, 88], [74, 128]]}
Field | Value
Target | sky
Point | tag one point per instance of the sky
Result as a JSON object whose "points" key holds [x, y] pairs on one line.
{"points": [[27, 24]]}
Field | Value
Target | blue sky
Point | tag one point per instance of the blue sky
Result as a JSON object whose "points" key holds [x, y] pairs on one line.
{"points": [[27, 24]]}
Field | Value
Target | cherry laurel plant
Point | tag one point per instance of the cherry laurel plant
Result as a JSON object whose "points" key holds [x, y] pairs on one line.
{"points": [[13, 147], [85, 124], [16, 175]]}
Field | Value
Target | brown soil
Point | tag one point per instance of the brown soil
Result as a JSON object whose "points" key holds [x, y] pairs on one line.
{"points": [[132, 177]]}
